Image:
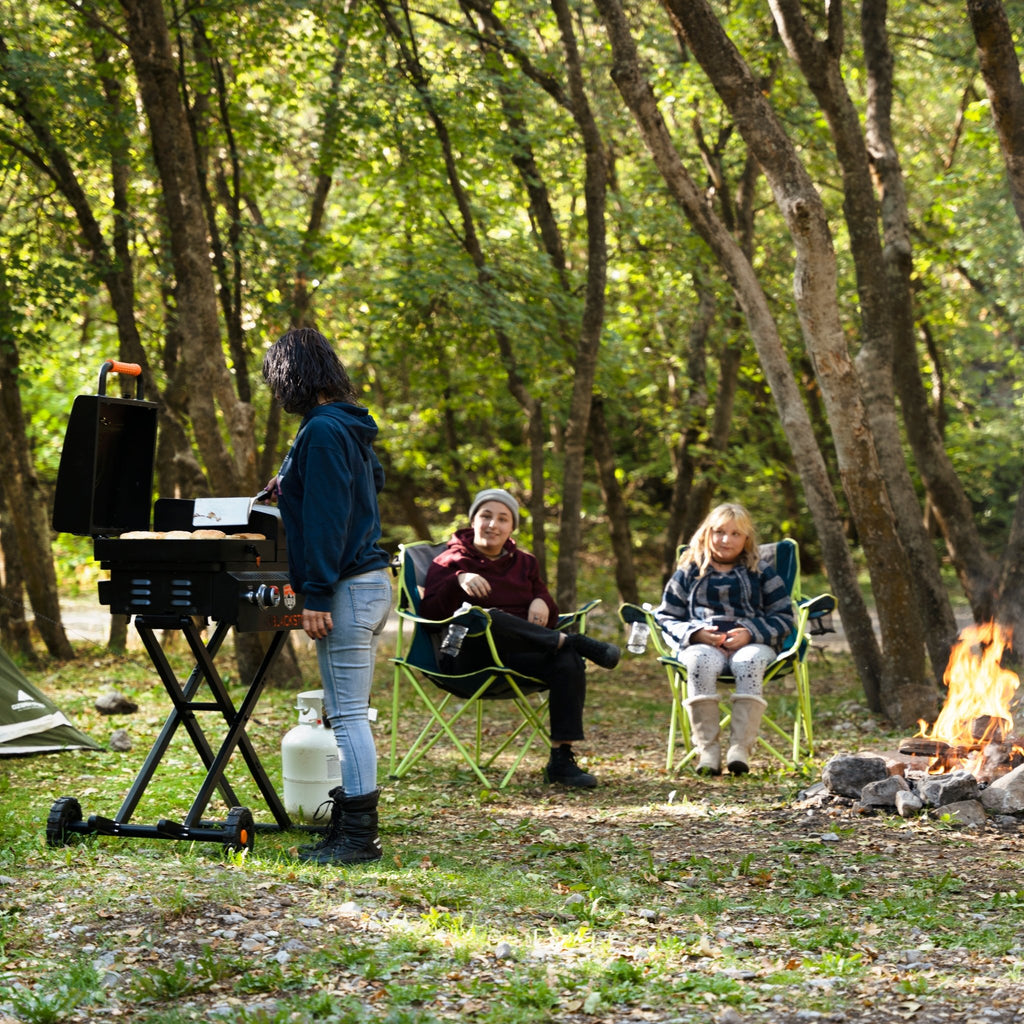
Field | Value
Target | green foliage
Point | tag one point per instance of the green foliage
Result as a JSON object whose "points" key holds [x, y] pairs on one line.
{"points": [[286, 98], [56, 996]]}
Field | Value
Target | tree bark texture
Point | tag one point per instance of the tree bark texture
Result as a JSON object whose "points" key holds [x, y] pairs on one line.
{"points": [[15, 630], [692, 422], [585, 359], [1001, 71], [947, 498], [614, 503]]}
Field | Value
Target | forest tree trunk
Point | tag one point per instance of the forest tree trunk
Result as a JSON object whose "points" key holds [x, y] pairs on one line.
{"points": [[592, 321], [639, 97], [908, 694], [29, 510], [210, 389], [615, 506], [931, 615]]}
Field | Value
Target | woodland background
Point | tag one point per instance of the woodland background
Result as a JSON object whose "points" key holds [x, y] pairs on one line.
{"points": [[626, 259]]}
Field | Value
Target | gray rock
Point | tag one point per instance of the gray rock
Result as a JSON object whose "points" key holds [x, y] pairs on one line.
{"points": [[848, 774], [817, 789], [729, 1016], [908, 804], [120, 741], [1006, 794], [939, 790], [966, 813], [883, 793], [115, 703]]}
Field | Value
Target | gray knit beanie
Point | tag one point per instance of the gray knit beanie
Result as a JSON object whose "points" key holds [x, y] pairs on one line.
{"points": [[496, 494]]}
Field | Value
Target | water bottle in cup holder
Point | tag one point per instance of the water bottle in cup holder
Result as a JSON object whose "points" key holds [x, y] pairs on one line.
{"points": [[455, 634]]}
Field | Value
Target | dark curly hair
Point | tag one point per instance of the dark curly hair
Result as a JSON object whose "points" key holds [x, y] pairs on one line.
{"points": [[302, 369]]}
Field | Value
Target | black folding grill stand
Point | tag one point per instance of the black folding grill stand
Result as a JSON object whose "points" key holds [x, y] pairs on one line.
{"points": [[104, 489], [237, 831]]}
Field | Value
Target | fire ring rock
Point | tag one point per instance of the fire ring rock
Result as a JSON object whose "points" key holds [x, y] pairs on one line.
{"points": [[908, 804], [939, 790], [963, 812], [883, 793], [1006, 794], [847, 775]]}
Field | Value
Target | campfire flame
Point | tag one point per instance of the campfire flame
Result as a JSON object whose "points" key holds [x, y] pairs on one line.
{"points": [[980, 693]]}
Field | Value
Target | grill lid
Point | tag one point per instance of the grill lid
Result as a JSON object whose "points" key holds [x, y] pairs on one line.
{"points": [[105, 478]]}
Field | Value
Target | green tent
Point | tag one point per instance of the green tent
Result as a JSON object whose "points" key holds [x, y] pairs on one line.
{"points": [[29, 722]]}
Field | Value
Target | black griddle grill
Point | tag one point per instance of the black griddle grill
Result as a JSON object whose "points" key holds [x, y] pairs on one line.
{"points": [[104, 489]]}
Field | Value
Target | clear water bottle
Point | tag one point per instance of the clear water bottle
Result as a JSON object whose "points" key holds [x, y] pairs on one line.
{"points": [[455, 634], [638, 634]]}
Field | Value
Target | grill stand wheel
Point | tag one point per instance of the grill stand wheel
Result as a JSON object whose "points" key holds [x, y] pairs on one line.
{"points": [[240, 830], [65, 814]]}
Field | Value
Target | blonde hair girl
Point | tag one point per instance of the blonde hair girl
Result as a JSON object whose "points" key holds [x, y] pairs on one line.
{"points": [[728, 514]]}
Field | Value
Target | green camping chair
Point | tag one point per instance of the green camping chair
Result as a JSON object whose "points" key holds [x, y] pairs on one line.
{"points": [[813, 618], [449, 703]]}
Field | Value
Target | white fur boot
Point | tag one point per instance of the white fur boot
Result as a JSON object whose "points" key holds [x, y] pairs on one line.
{"points": [[746, 720], [704, 730]]}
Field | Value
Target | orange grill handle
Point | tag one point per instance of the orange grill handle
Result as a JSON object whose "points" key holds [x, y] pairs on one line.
{"points": [[131, 369], [114, 366]]}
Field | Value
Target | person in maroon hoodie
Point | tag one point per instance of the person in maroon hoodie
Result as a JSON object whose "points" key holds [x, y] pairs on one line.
{"points": [[483, 565]]}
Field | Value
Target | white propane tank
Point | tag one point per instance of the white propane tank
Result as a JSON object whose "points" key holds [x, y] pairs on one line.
{"points": [[310, 764]]}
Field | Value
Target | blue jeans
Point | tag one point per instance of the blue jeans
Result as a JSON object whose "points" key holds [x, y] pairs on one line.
{"points": [[346, 657]]}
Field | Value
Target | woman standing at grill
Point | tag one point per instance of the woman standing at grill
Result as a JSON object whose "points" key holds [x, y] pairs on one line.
{"points": [[327, 491]]}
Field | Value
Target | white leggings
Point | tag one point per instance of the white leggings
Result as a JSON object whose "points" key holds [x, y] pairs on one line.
{"points": [[704, 664]]}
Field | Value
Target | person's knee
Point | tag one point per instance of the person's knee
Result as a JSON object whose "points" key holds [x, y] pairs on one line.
{"points": [[754, 655]]}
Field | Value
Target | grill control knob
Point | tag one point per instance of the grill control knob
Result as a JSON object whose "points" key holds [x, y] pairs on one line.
{"points": [[266, 595]]}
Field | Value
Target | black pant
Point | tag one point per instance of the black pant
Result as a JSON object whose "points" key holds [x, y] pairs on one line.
{"points": [[532, 650]]}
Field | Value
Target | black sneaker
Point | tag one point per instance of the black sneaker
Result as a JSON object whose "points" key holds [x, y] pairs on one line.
{"points": [[605, 655], [563, 769]]}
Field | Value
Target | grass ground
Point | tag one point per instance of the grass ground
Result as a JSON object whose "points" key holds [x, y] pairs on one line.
{"points": [[657, 897]]}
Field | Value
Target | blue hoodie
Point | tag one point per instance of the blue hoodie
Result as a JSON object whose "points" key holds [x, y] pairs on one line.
{"points": [[328, 487]]}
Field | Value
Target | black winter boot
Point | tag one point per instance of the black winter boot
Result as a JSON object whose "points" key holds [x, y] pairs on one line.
{"points": [[605, 655], [562, 768], [356, 839], [334, 825]]}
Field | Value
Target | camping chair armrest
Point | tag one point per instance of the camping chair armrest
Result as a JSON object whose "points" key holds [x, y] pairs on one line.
{"points": [[476, 618], [819, 605], [578, 617], [630, 613], [817, 612]]}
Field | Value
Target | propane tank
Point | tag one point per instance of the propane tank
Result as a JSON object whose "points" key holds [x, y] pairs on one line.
{"points": [[310, 764]]}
